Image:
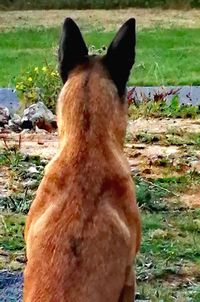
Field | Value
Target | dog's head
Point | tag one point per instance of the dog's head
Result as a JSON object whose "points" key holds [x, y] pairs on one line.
{"points": [[94, 92]]}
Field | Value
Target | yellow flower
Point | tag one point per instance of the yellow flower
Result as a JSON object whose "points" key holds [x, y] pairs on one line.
{"points": [[30, 79], [44, 68], [36, 69], [17, 86], [53, 73]]}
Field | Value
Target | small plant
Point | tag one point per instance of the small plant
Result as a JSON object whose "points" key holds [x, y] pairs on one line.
{"points": [[39, 84], [158, 107], [24, 175], [148, 138], [100, 51], [149, 195]]}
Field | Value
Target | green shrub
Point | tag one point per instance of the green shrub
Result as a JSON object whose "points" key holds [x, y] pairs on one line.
{"points": [[39, 84]]}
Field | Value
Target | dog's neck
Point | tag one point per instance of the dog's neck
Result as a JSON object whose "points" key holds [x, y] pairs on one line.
{"points": [[90, 112]]}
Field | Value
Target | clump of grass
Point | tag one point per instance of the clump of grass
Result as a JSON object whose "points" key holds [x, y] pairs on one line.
{"points": [[11, 234], [147, 138], [25, 173], [16, 202], [150, 196]]}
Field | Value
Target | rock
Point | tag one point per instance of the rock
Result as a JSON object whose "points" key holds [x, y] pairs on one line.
{"points": [[31, 184], [4, 116], [32, 170], [195, 165], [40, 131], [8, 98], [15, 265], [27, 124], [16, 119], [15, 123], [38, 115]]}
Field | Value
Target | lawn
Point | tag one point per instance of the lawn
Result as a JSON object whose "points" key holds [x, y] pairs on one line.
{"points": [[168, 264], [164, 56]]}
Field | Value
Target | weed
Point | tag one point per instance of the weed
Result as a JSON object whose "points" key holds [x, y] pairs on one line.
{"points": [[160, 108], [145, 137], [25, 174], [149, 195], [39, 84]]}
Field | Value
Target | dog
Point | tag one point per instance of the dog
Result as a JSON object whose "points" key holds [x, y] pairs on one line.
{"points": [[83, 229]]}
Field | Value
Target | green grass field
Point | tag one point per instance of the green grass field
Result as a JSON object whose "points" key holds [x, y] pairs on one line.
{"points": [[164, 56], [168, 264]]}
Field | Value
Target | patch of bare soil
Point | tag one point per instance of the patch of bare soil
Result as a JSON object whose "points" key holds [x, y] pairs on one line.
{"points": [[150, 160], [159, 126], [43, 144], [108, 19], [192, 199]]}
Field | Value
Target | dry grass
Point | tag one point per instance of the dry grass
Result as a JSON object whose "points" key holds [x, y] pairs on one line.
{"points": [[108, 19]]}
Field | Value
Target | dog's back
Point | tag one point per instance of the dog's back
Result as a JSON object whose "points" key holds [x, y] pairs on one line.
{"points": [[83, 228]]}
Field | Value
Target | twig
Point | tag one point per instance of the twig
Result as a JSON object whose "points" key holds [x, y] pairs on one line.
{"points": [[4, 224], [157, 186], [20, 142], [5, 143]]}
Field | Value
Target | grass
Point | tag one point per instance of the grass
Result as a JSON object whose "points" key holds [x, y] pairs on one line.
{"points": [[189, 139], [11, 235], [168, 264], [164, 56], [21, 183]]}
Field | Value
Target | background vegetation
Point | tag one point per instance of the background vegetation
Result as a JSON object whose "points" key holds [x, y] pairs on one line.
{"points": [[83, 4], [164, 56]]}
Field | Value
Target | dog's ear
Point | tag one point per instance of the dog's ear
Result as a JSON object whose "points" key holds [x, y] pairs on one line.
{"points": [[120, 56], [72, 49]]}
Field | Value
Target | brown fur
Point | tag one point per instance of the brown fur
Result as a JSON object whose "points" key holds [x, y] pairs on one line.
{"points": [[83, 228]]}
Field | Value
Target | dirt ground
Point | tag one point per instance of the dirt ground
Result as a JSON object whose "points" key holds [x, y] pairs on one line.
{"points": [[142, 156], [108, 19], [45, 144]]}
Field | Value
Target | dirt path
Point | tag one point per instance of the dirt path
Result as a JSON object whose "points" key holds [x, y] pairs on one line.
{"points": [[108, 19]]}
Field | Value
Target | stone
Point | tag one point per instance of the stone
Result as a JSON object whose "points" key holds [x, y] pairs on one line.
{"points": [[38, 115], [32, 170], [4, 116], [9, 99], [15, 123], [195, 165], [31, 184]]}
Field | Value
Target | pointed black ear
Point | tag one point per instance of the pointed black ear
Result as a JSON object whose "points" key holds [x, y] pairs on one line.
{"points": [[121, 55], [72, 49]]}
